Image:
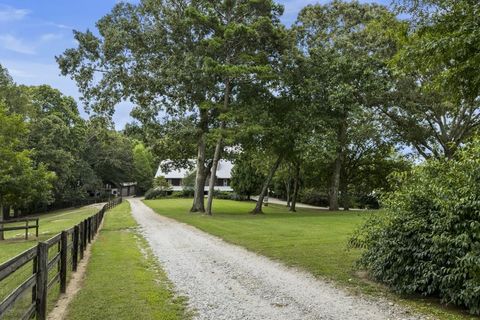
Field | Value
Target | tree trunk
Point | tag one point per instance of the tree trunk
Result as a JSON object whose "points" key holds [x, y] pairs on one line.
{"points": [[6, 212], [335, 181], [287, 186], [201, 176], [273, 169], [213, 174], [218, 150], [345, 195], [296, 186]]}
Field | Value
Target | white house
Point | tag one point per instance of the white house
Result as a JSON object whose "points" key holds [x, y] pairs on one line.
{"points": [[175, 177]]}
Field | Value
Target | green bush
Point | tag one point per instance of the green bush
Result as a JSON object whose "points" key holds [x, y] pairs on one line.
{"points": [[187, 193], [313, 198], [152, 194], [229, 196], [429, 240]]}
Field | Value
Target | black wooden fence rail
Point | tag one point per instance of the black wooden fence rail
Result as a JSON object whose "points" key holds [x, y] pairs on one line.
{"points": [[74, 240], [4, 225]]}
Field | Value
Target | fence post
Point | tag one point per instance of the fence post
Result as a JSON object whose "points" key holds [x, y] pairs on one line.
{"points": [[85, 234], [80, 239], [63, 261], [89, 227], [42, 280], [34, 271], [76, 232]]}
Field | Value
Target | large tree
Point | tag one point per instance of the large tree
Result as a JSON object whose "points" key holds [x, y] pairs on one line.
{"points": [[346, 66], [175, 56], [57, 137], [21, 181], [433, 105]]}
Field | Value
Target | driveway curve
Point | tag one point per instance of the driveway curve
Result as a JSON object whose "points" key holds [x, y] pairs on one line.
{"points": [[224, 281]]}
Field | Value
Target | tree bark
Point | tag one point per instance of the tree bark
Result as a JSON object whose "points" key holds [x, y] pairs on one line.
{"points": [[296, 186], [345, 195], [213, 174], [287, 186], [273, 169], [218, 151], [335, 180], [201, 175]]}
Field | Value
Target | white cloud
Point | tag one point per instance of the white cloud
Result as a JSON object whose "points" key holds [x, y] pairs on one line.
{"points": [[8, 13], [15, 44], [47, 37], [58, 25]]}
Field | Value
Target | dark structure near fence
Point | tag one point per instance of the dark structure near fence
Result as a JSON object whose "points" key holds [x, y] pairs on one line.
{"points": [[4, 226], [73, 240], [128, 189]]}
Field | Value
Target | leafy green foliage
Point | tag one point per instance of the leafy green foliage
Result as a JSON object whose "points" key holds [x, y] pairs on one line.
{"points": [[428, 242], [161, 188], [21, 181], [246, 179], [155, 194], [143, 167], [313, 197]]}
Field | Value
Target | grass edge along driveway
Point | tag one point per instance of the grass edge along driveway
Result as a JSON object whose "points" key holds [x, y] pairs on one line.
{"points": [[123, 279], [312, 240]]}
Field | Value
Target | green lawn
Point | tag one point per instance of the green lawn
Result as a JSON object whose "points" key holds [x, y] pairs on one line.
{"points": [[312, 240], [123, 279], [50, 225]]}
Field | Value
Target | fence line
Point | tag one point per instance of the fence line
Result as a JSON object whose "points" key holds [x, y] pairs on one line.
{"points": [[73, 240]]}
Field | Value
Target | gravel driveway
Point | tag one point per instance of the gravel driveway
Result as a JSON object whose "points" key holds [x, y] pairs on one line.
{"points": [[224, 281]]}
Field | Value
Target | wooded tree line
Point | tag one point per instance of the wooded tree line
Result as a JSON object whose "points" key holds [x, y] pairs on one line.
{"points": [[52, 158], [325, 104]]}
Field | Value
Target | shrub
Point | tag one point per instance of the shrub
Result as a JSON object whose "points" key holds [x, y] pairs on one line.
{"points": [[152, 194], [229, 196], [187, 193], [222, 195], [367, 201], [429, 240], [313, 197]]}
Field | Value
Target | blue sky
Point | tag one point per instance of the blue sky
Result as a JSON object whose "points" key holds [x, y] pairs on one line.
{"points": [[33, 32]]}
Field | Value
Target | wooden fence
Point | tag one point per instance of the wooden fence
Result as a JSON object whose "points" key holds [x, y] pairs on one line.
{"points": [[4, 225], [73, 241]]}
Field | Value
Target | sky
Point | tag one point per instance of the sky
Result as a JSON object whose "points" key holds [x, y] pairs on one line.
{"points": [[33, 32]]}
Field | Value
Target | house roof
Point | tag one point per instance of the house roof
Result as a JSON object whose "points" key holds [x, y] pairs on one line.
{"points": [[224, 171]]}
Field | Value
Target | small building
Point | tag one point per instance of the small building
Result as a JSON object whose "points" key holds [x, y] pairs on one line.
{"points": [[128, 189], [175, 177], [124, 189]]}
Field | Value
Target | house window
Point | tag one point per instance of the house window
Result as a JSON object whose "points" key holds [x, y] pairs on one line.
{"points": [[175, 182], [226, 182]]}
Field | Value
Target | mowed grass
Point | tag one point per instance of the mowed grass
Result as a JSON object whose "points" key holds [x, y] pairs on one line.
{"points": [[50, 225], [123, 279], [312, 240]]}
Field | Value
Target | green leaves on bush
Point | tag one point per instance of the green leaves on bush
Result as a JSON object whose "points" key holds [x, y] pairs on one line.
{"points": [[429, 240]]}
